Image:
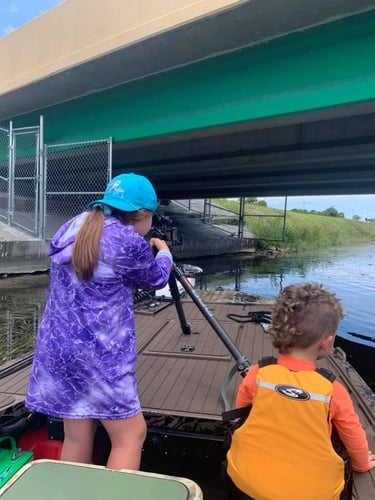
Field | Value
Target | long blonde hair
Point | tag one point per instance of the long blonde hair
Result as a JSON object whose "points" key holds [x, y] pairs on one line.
{"points": [[85, 255]]}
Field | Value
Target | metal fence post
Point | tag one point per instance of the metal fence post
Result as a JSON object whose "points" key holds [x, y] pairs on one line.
{"points": [[207, 211], [11, 175], [41, 181], [241, 220], [109, 167]]}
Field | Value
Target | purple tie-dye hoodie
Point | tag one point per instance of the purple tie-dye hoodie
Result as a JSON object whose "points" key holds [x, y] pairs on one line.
{"points": [[85, 353]]}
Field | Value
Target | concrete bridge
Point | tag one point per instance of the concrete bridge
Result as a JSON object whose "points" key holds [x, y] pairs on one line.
{"points": [[207, 98]]}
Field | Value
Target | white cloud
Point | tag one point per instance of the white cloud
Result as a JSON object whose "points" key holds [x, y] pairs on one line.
{"points": [[8, 29]]}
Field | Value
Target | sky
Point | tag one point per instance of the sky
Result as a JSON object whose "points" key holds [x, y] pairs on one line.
{"points": [[16, 13], [361, 205]]}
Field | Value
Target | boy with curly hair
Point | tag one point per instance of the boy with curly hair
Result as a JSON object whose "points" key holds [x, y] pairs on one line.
{"points": [[284, 451]]}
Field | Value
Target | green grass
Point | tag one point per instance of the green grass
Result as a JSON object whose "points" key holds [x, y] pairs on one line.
{"points": [[302, 231]]}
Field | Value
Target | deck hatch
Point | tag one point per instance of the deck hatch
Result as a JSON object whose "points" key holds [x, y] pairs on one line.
{"points": [[203, 343]]}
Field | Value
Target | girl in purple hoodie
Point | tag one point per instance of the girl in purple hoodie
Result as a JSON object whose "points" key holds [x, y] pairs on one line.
{"points": [[85, 353]]}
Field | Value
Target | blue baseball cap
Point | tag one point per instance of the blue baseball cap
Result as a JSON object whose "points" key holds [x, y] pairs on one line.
{"points": [[128, 193]]}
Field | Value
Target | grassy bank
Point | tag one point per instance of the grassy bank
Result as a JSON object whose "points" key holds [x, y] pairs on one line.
{"points": [[303, 230]]}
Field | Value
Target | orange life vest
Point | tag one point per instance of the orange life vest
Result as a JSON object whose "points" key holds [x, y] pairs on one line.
{"points": [[283, 451]]}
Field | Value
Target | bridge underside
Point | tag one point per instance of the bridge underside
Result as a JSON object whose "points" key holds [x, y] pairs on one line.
{"points": [[311, 154], [290, 113]]}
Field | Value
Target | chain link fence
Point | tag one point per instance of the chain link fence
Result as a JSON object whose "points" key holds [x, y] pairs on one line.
{"points": [[76, 174], [43, 186], [24, 199], [4, 174]]}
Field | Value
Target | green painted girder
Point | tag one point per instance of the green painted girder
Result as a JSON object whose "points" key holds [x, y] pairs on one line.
{"points": [[327, 66]]}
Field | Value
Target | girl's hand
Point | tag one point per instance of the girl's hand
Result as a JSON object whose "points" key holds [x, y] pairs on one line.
{"points": [[158, 244]]}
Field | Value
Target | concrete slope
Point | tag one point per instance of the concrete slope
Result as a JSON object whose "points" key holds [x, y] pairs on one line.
{"points": [[20, 253], [201, 239]]}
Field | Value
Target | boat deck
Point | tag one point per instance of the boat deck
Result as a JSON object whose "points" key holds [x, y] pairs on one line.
{"points": [[182, 375]]}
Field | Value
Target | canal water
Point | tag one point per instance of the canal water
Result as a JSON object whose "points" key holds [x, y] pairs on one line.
{"points": [[349, 272]]}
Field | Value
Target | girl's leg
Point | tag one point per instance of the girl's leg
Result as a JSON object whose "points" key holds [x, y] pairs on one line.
{"points": [[127, 437], [78, 440]]}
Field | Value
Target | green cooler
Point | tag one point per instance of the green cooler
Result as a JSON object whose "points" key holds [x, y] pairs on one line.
{"points": [[12, 459], [49, 479]]}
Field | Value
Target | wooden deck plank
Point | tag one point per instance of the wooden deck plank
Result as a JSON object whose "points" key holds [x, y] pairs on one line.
{"points": [[162, 381], [196, 390], [16, 383], [14, 386]]}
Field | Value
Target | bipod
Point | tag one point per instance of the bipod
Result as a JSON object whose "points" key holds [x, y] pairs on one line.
{"points": [[242, 363]]}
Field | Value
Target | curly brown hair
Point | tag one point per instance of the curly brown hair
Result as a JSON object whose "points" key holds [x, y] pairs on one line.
{"points": [[304, 314]]}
